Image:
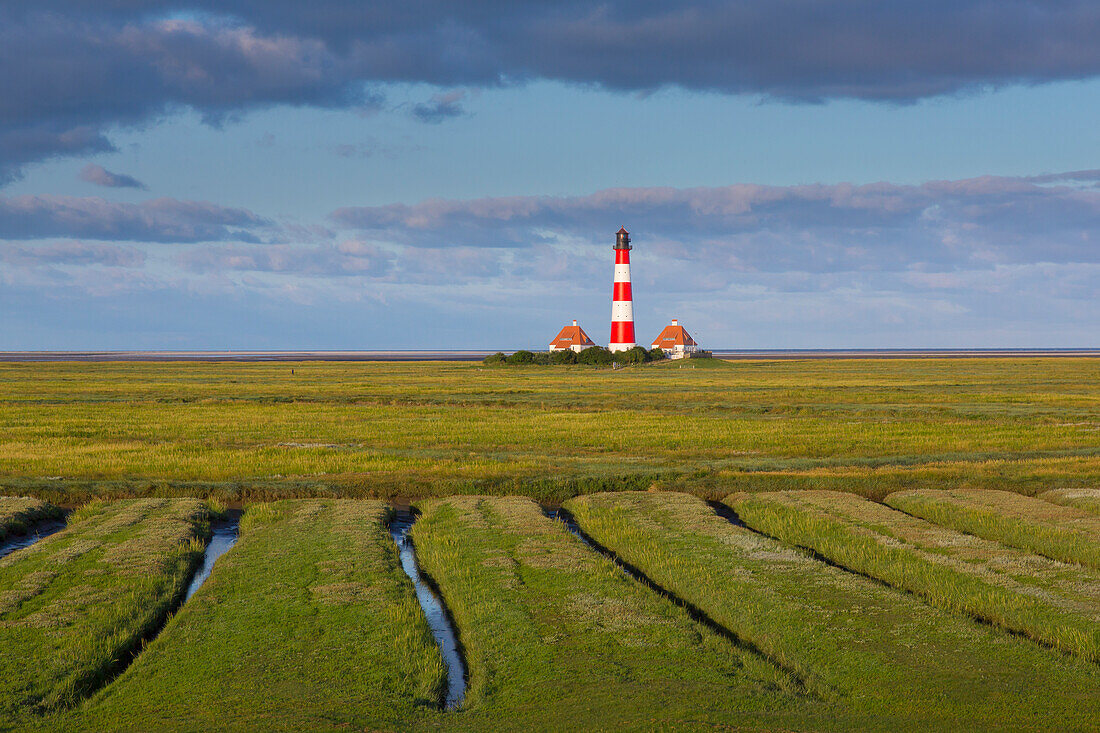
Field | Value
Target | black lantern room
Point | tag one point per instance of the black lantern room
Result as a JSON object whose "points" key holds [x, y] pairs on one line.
{"points": [[622, 239]]}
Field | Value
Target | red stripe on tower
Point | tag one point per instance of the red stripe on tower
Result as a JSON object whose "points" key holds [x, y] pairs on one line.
{"points": [[622, 292], [622, 302]]}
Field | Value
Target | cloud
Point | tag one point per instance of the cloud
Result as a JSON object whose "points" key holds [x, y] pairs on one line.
{"points": [[65, 78], [985, 261], [441, 107], [79, 254], [156, 220], [100, 176], [347, 258], [69, 70], [41, 139], [818, 228]]}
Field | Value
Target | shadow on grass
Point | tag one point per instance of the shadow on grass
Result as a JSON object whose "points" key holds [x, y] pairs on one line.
{"points": [[696, 613]]}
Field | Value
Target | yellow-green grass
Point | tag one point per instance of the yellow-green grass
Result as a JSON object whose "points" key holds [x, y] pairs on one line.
{"points": [[884, 659], [74, 606], [1086, 499], [19, 513], [308, 623], [247, 430], [1051, 602], [1060, 532], [555, 635]]}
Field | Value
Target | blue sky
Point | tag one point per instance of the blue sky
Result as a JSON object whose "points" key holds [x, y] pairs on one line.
{"points": [[241, 175]]}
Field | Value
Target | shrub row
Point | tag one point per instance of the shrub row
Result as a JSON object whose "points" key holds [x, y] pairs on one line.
{"points": [[593, 355]]}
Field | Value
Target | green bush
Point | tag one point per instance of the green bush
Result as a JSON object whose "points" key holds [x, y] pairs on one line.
{"points": [[564, 356], [595, 355], [521, 357], [656, 354], [497, 358], [637, 355]]}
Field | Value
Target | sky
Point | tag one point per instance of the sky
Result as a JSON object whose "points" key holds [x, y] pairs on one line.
{"points": [[269, 174]]}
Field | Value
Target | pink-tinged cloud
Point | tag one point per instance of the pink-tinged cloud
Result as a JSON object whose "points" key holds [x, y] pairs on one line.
{"points": [[78, 254], [810, 227], [156, 220], [100, 176]]}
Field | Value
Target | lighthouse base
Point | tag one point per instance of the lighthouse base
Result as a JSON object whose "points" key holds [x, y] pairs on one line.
{"points": [[620, 347]]}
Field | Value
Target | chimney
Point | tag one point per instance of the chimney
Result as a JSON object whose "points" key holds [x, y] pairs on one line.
{"points": [[574, 321], [673, 321]]}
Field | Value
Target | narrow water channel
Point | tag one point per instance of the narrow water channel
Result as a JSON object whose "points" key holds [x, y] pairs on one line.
{"points": [[223, 535], [14, 542], [696, 613], [438, 619], [566, 518], [563, 516]]}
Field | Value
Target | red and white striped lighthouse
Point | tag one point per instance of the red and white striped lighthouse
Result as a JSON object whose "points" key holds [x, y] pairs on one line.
{"points": [[622, 302]]}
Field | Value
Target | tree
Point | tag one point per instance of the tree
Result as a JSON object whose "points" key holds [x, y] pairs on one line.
{"points": [[595, 355], [521, 357], [636, 355], [497, 358], [656, 354], [563, 356]]}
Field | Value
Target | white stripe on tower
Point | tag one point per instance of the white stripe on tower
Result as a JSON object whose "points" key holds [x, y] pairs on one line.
{"points": [[622, 300]]}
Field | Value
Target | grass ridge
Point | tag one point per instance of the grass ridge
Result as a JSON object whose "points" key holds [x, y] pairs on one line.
{"points": [[908, 568]]}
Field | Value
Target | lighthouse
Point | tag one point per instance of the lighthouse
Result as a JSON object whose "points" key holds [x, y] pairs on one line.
{"points": [[622, 302]]}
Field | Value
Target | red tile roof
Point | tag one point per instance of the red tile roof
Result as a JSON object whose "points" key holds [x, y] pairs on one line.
{"points": [[571, 336], [673, 335]]}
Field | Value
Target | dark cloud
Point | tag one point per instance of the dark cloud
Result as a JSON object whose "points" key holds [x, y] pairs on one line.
{"points": [[802, 228], [441, 107], [65, 78], [69, 69], [156, 220], [100, 176], [45, 139]]}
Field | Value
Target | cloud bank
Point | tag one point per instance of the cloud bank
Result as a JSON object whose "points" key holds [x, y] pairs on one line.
{"points": [[70, 70], [988, 261], [811, 228], [156, 220]]}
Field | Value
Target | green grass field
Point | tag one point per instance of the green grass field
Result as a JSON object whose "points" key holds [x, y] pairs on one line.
{"points": [[1059, 532], [886, 660], [554, 632], [71, 431], [74, 606], [308, 623], [1051, 602], [974, 606]]}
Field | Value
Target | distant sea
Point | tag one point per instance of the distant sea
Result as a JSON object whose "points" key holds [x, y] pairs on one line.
{"points": [[471, 355]]}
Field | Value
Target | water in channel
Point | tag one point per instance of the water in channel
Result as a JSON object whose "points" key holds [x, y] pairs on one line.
{"points": [[15, 542], [560, 515], [438, 619], [223, 535]]}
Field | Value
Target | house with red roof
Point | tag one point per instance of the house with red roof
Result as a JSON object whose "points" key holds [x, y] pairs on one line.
{"points": [[571, 337], [675, 341]]}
